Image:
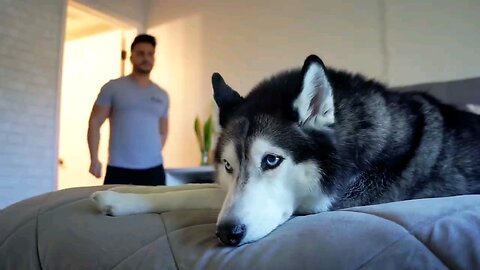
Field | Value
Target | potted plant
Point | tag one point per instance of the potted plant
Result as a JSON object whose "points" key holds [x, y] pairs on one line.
{"points": [[204, 135]]}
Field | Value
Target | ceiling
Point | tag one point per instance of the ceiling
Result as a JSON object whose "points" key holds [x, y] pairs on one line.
{"points": [[81, 23]]}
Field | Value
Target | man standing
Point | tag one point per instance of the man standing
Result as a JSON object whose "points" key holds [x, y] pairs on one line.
{"points": [[138, 112]]}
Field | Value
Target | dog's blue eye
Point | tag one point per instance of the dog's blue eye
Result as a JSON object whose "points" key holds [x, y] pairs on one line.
{"points": [[271, 161], [228, 167]]}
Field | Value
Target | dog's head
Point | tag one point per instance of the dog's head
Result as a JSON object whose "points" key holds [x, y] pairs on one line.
{"points": [[267, 156]]}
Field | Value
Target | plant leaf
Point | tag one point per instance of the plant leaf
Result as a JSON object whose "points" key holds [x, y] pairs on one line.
{"points": [[207, 133], [198, 132]]}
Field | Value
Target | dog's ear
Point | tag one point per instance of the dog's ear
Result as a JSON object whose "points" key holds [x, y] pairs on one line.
{"points": [[314, 104], [226, 98]]}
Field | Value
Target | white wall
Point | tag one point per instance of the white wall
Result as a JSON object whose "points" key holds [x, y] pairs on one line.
{"points": [[246, 41], [398, 42], [132, 12], [30, 53], [432, 40]]}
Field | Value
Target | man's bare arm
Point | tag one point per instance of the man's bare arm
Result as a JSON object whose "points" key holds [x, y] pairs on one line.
{"points": [[164, 130], [97, 118]]}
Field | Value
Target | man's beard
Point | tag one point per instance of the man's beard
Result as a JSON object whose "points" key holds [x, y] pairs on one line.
{"points": [[142, 70]]}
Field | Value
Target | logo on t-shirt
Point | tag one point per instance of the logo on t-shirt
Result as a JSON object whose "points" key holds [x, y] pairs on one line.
{"points": [[156, 99]]}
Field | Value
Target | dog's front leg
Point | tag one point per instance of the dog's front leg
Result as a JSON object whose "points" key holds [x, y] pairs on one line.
{"points": [[121, 204], [160, 189]]}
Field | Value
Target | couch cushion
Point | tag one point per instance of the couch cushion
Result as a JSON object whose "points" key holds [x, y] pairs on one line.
{"points": [[64, 230]]}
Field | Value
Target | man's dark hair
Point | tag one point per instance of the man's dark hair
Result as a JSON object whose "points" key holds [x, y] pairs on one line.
{"points": [[143, 38]]}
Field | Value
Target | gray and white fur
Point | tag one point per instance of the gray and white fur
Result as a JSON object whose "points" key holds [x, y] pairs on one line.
{"points": [[317, 139]]}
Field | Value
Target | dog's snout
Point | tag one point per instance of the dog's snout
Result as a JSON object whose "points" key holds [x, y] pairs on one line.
{"points": [[231, 234]]}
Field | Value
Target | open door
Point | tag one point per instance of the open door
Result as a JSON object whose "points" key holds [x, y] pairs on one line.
{"points": [[92, 57]]}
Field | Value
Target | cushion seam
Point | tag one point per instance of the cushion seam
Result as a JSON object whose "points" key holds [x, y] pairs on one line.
{"points": [[409, 233], [169, 242], [38, 214], [36, 231], [416, 225], [148, 244], [136, 251], [394, 243]]}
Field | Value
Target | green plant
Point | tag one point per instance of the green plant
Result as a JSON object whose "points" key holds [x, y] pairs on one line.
{"points": [[204, 135]]}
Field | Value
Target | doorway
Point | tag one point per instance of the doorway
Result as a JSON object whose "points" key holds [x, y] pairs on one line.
{"points": [[92, 56]]}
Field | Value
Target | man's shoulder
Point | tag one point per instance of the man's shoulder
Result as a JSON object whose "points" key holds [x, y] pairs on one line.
{"points": [[117, 82], [162, 91]]}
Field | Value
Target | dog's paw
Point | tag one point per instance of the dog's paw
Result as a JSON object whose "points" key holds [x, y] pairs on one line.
{"points": [[109, 203]]}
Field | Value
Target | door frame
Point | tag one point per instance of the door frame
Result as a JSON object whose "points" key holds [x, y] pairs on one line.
{"points": [[117, 19]]}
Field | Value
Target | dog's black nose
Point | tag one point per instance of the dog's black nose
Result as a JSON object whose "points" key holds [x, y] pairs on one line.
{"points": [[231, 234]]}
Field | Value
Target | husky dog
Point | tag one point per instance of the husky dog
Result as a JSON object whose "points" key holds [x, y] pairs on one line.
{"points": [[316, 139]]}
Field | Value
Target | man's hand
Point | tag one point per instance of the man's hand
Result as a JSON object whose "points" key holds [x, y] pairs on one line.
{"points": [[96, 168]]}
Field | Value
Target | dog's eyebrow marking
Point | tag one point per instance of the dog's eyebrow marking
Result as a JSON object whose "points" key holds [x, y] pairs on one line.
{"points": [[228, 154], [239, 152], [241, 130], [242, 178]]}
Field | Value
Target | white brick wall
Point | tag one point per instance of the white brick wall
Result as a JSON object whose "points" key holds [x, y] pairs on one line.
{"points": [[30, 50]]}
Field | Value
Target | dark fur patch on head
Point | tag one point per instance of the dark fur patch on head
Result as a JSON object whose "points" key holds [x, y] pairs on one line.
{"points": [[274, 97]]}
